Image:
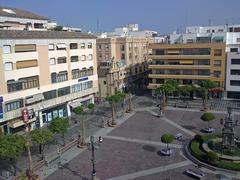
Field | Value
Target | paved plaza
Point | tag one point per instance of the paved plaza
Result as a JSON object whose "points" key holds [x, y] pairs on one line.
{"points": [[132, 149]]}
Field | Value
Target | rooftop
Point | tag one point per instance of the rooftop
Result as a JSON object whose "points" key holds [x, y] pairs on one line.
{"points": [[19, 13], [19, 34]]}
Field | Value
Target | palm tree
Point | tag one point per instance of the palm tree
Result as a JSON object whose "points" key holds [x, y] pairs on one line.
{"points": [[185, 91], [205, 86], [167, 88], [116, 98], [80, 111]]}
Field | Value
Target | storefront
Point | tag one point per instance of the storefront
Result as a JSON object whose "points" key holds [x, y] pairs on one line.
{"points": [[48, 115]]}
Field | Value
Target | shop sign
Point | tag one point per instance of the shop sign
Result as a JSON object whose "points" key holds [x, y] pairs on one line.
{"points": [[34, 98], [25, 115], [83, 79], [1, 107]]}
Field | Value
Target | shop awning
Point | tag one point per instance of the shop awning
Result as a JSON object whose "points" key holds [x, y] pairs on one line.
{"points": [[19, 122], [218, 38]]}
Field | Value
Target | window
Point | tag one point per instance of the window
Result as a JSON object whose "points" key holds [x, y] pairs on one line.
{"points": [[235, 72], [130, 55], [233, 49], [50, 94], [76, 73], [16, 104], [52, 61], [122, 48], [107, 56], [62, 76], [23, 83], [25, 48], [236, 29], [122, 56], [77, 88], [235, 61], [38, 25], [238, 39], [217, 52], [6, 49], [99, 47], [62, 60], [54, 77], [90, 57], [217, 74], [100, 56], [106, 47], [82, 45], [83, 58], [74, 58], [61, 46], [63, 91], [217, 62], [234, 83], [8, 66], [50, 47], [73, 45], [89, 45], [26, 64]]}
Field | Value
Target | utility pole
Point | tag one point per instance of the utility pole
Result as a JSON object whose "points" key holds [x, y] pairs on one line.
{"points": [[93, 147]]}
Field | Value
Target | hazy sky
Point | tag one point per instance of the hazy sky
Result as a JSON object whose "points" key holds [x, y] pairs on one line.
{"points": [[160, 15]]}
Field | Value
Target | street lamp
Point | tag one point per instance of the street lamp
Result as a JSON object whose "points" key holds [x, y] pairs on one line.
{"points": [[92, 146]]}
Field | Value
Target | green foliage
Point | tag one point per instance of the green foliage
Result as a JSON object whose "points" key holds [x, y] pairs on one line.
{"points": [[79, 110], [118, 97], [207, 116], [41, 136], [208, 84], [58, 28], [212, 156], [12, 146], [198, 138], [185, 90], [91, 106], [167, 138], [59, 125], [195, 149]]}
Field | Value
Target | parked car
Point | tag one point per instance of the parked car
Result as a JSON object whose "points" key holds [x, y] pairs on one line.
{"points": [[195, 173], [208, 130], [166, 152], [178, 136]]}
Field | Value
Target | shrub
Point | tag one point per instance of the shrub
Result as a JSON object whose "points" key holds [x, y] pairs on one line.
{"points": [[212, 156], [198, 138]]}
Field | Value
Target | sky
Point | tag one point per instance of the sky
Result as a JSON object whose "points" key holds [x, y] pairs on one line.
{"points": [[164, 16]]}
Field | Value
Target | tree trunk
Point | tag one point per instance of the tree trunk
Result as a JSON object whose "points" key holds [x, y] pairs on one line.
{"points": [[30, 168], [164, 100], [130, 103], [63, 137], [83, 132], [113, 115]]}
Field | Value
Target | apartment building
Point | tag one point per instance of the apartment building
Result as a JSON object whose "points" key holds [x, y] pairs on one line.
{"points": [[233, 65], [18, 19], [43, 75], [189, 63], [130, 52]]}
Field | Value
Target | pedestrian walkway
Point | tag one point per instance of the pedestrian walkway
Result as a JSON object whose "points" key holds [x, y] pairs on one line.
{"points": [[173, 124], [151, 171], [143, 141]]}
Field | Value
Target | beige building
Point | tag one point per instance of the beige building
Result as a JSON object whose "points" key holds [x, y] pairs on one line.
{"points": [[189, 63], [131, 52], [43, 74]]}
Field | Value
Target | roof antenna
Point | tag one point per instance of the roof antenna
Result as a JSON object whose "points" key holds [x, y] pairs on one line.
{"points": [[209, 22]]}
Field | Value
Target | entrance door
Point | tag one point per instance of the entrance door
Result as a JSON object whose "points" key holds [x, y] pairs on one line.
{"points": [[44, 118]]}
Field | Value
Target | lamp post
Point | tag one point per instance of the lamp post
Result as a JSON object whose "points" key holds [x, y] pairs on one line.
{"points": [[93, 147]]}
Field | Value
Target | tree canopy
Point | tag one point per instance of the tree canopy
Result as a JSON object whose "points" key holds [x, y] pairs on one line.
{"points": [[12, 146], [79, 110], [118, 97], [167, 138], [207, 116], [59, 125], [41, 136]]}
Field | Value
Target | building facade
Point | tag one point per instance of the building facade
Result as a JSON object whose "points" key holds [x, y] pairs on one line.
{"points": [[233, 66], [43, 75], [130, 52], [189, 63]]}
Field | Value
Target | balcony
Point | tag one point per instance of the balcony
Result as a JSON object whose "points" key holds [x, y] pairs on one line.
{"points": [[176, 76], [179, 66], [179, 56], [49, 103]]}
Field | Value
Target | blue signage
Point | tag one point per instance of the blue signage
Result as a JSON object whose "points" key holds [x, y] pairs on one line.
{"points": [[1, 99], [83, 79]]}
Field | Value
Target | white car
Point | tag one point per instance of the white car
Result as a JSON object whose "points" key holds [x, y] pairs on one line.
{"points": [[195, 173], [208, 130], [178, 136], [166, 152]]}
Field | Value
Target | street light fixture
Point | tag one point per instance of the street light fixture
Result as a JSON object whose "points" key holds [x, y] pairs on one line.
{"points": [[92, 146]]}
